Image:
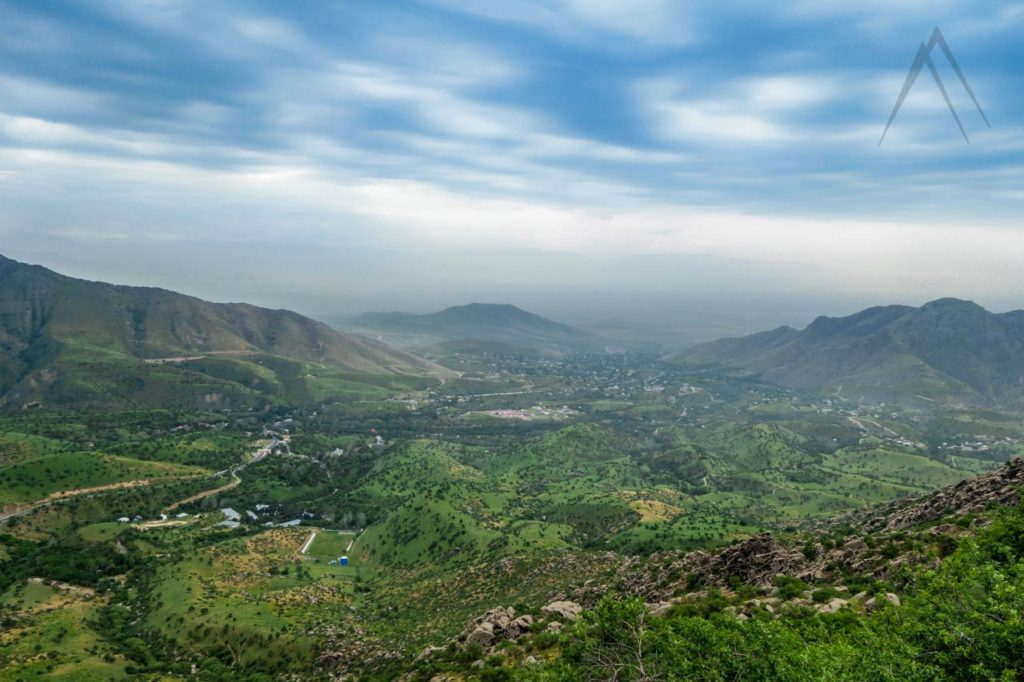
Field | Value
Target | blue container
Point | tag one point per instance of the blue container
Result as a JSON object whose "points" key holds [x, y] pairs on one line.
{"points": [[343, 561]]}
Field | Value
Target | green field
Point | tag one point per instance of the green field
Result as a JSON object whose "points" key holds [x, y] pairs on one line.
{"points": [[329, 545]]}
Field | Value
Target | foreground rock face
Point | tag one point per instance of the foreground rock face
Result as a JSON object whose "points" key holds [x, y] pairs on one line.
{"points": [[754, 562], [758, 560], [661, 579], [1002, 486]]}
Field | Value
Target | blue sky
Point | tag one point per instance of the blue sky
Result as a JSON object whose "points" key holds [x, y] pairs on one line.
{"points": [[601, 128]]}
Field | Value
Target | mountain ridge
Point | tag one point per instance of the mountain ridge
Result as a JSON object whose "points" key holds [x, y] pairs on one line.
{"points": [[47, 319], [948, 349]]}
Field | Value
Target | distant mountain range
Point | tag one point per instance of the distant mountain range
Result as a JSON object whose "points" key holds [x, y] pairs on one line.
{"points": [[945, 351], [62, 337], [478, 326]]}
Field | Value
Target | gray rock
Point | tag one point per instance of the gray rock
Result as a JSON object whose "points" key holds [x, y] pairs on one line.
{"points": [[428, 652], [833, 605], [520, 626], [483, 635], [567, 610], [876, 602]]}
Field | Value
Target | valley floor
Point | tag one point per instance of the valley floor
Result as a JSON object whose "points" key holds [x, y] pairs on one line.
{"points": [[349, 532]]}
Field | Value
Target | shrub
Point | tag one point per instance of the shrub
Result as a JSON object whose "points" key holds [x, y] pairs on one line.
{"points": [[789, 587]]}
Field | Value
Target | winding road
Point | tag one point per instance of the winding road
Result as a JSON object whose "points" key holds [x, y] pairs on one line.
{"points": [[67, 494], [262, 451]]}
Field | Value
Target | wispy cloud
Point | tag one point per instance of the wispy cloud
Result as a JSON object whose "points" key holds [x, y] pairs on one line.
{"points": [[603, 126], [650, 23]]}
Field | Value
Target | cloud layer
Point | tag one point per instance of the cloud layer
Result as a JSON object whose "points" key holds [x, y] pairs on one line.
{"points": [[594, 127]]}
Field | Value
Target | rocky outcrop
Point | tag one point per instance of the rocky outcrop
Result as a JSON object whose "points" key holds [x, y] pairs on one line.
{"points": [[490, 628], [566, 610], [754, 562], [973, 495], [502, 624], [758, 560], [879, 544]]}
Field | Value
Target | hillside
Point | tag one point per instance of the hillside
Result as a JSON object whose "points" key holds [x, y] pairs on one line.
{"points": [[55, 331], [925, 589], [451, 500], [479, 326], [946, 351]]}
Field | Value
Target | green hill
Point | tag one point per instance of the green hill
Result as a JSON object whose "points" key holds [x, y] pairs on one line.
{"points": [[69, 341], [479, 326], [946, 351]]}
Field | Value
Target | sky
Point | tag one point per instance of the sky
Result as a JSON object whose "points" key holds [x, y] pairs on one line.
{"points": [[410, 154]]}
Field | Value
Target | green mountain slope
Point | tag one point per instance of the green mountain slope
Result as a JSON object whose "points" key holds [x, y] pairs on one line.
{"points": [[63, 338], [928, 590], [946, 351], [482, 326]]}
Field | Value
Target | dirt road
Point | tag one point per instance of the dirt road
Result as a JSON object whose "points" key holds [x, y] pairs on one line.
{"points": [[65, 494], [235, 480]]}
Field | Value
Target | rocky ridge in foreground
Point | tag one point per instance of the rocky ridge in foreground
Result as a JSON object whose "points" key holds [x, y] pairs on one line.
{"points": [[765, 575]]}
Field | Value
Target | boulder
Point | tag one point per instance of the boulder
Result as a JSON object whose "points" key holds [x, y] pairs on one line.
{"points": [[520, 626], [500, 618], [877, 601], [832, 605], [428, 652], [482, 635], [554, 626], [566, 610]]}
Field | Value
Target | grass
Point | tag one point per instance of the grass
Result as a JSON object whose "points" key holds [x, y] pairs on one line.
{"points": [[52, 638], [329, 544], [250, 592], [101, 532], [34, 479], [900, 468], [18, 447]]}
